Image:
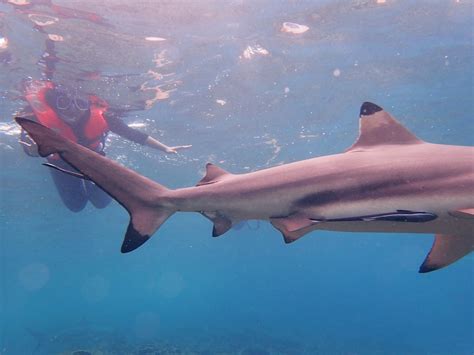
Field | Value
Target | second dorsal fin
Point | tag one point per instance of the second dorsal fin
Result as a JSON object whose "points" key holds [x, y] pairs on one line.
{"points": [[378, 127], [213, 175]]}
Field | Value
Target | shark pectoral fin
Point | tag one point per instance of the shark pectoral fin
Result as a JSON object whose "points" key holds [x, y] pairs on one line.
{"points": [[446, 250], [465, 213], [213, 175], [292, 227], [143, 224]]}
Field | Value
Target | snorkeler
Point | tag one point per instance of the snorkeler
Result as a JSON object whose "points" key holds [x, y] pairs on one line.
{"points": [[85, 119]]}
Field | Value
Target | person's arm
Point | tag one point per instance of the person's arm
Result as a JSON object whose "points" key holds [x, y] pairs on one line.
{"points": [[119, 127], [156, 144]]}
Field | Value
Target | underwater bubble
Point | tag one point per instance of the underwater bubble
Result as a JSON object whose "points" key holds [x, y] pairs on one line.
{"points": [[137, 125], [171, 284], [43, 20], [19, 2], [252, 51], [95, 289], [3, 43], [155, 39], [336, 72], [221, 102], [293, 28], [56, 38], [34, 276], [146, 325]]}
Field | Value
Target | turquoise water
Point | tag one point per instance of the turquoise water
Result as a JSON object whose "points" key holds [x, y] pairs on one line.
{"points": [[65, 286]]}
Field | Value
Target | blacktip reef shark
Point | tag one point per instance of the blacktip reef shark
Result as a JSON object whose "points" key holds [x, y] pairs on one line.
{"points": [[387, 181]]}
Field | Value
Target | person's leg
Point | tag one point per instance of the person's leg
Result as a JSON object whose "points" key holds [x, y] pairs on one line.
{"points": [[96, 195], [70, 188]]}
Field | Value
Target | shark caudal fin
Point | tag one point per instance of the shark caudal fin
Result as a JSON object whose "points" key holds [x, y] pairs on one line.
{"points": [[140, 196]]}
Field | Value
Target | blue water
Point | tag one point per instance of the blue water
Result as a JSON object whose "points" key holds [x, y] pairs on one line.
{"points": [[64, 284]]}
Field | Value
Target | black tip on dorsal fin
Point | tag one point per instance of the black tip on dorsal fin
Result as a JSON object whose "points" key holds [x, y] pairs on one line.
{"points": [[213, 174], [368, 108], [377, 128]]}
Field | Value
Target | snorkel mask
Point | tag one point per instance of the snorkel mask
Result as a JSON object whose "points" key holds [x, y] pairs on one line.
{"points": [[71, 107]]}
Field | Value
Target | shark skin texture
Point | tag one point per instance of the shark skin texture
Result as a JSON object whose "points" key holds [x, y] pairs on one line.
{"points": [[388, 181]]}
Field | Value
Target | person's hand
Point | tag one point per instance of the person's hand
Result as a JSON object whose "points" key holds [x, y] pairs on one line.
{"points": [[29, 145], [174, 150]]}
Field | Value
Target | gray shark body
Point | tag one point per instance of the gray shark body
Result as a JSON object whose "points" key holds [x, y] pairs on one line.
{"points": [[388, 181]]}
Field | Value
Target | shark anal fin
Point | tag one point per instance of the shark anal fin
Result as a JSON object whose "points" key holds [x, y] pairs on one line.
{"points": [[221, 223], [446, 250], [213, 175], [377, 127]]}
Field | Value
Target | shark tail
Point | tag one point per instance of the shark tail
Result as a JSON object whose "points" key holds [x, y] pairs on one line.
{"points": [[144, 199]]}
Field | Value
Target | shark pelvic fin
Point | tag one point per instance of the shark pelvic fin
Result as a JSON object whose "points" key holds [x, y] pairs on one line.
{"points": [[293, 227], [292, 223], [213, 175], [377, 127], [290, 237], [446, 250]]}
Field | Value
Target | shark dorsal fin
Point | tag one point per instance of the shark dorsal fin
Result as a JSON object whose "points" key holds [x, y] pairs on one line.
{"points": [[213, 175], [377, 127]]}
